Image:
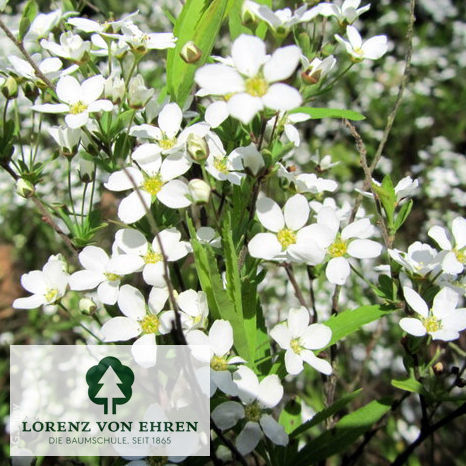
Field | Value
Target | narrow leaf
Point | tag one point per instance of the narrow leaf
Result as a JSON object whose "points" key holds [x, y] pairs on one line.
{"points": [[318, 113]]}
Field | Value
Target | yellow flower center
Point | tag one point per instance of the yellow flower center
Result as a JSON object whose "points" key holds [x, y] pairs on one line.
{"points": [[153, 184], [167, 143], [257, 86], [296, 345], [78, 107], [220, 164], [51, 295], [460, 255], [152, 257], [112, 277], [338, 249], [218, 363], [432, 324], [150, 324], [286, 237], [253, 412]]}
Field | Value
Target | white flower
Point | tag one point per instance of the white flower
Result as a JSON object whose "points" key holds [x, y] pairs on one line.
{"points": [[223, 167], [348, 13], [208, 235], [79, 100], [43, 23], [442, 322], [252, 159], [154, 179], [140, 320], [199, 191], [117, 48], [298, 338], [419, 259], [371, 49], [307, 182], [168, 136], [47, 285], [258, 397], [142, 42], [220, 342], [88, 25], [194, 309], [138, 93], [351, 242], [405, 188], [71, 47], [101, 272], [147, 257], [50, 67], [453, 256], [252, 83], [67, 138], [285, 242], [279, 20], [317, 69]]}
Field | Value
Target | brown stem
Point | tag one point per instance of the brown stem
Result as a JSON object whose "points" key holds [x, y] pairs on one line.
{"points": [[228, 443], [294, 283], [391, 117], [26, 55]]}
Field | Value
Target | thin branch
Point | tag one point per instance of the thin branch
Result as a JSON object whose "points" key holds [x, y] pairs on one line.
{"points": [[26, 55], [228, 443], [391, 117], [294, 283], [403, 456]]}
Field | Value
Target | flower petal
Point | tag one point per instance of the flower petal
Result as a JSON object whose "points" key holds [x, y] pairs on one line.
{"points": [[282, 63], [293, 362], [458, 228], [298, 321], [364, 249], [248, 438], [248, 54], [144, 350], [219, 79], [221, 337], [273, 430], [93, 258], [131, 302], [282, 335], [358, 229], [120, 329], [243, 107], [337, 270], [439, 235], [247, 383], [68, 89], [216, 113], [227, 415], [282, 97], [91, 89], [85, 280], [108, 291], [296, 212], [174, 194], [415, 302], [121, 179], [264, 246], [170, 119], [445, 301], [316, 336], [270, 214], [270, 391], [131, 209], [318, 364], [413, 326]]}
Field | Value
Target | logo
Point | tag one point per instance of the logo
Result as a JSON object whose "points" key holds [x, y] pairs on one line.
{"points": [[110, 383]]}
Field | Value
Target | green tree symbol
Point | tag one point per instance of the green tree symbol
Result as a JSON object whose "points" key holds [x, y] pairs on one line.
{"points": [[110, 383]]}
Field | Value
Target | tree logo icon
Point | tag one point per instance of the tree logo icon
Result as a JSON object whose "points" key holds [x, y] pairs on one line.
{"points": [[110, 383]]}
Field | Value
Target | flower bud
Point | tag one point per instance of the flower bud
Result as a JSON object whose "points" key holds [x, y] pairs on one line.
{"points": [[67, 138], [199, 191], [138, 94], [114, 89], [438, 368], [86, 170], [10, 88], [25, 188], [87, 305], [31, 91], [190, 52], [197, 147]]}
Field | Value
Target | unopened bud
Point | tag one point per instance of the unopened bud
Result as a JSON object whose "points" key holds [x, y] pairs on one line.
{"points": [[199, 191], [87, 305], [10, 88], [190, 52], [86, 170], [25, 188], [197, 147]]}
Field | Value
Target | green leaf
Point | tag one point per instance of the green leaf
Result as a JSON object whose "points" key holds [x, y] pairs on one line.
{"points": [[347, 322], [220, 304], [199, 21], [403, 214], [387, 196], [326, 413], [409, 385], [29, 13], [290, 416], [343, 435], [318, 113]]}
